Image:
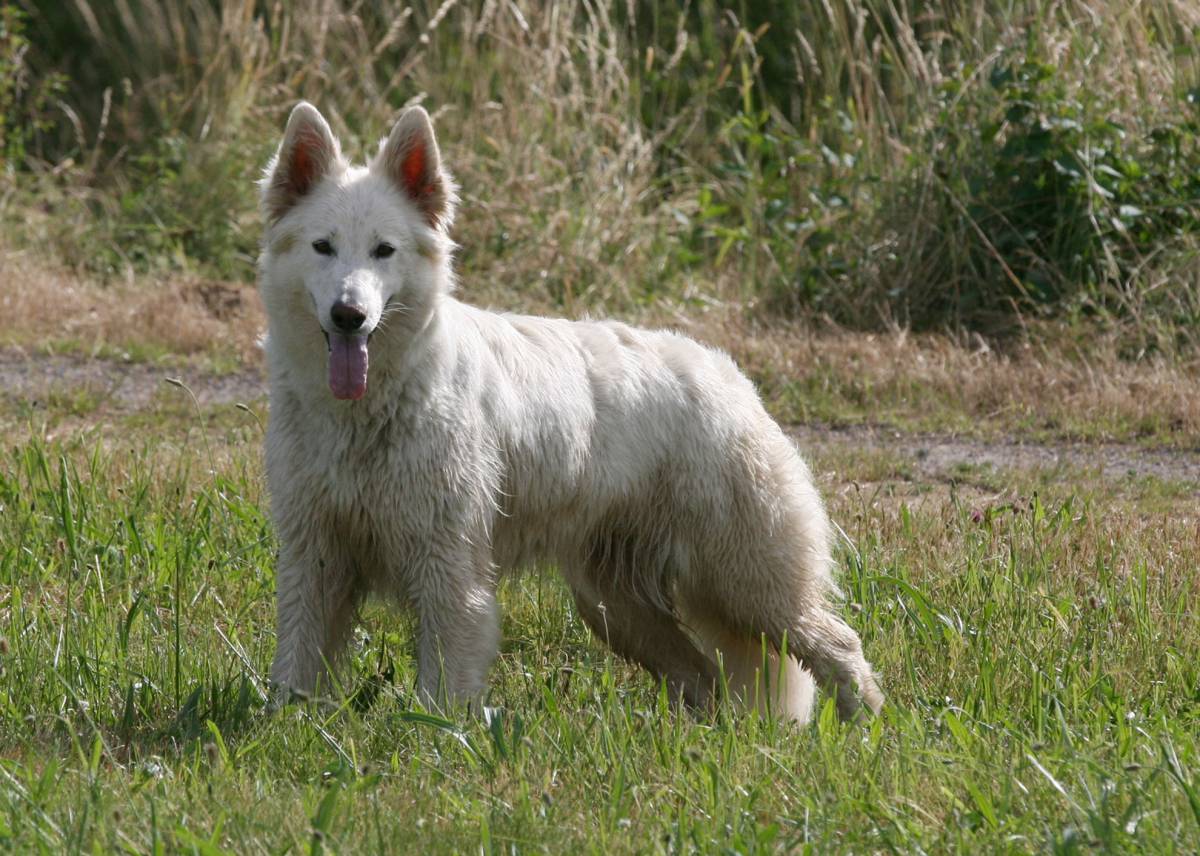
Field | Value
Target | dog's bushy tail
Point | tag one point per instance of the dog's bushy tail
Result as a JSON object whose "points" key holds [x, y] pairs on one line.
{"points": [[755, 677]]}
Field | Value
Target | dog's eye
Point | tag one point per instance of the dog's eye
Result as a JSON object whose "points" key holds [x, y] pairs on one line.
{"points": [[323, 247], [383, 251]]}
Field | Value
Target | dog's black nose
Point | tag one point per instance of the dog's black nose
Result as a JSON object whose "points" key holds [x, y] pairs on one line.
{"points": [[347, 317]]}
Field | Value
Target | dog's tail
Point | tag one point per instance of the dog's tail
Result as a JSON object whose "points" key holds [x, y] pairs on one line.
{"points": [[754, 674]]}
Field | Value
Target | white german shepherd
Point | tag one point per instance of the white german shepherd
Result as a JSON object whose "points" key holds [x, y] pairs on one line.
{"points": [[418, 446]]}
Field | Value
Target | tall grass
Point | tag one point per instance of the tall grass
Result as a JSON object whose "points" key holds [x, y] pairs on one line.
{"points": [[879, 161]]}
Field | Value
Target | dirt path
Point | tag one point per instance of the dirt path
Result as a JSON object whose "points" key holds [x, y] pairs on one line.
{"points": [[936, 457], [121, 386]]}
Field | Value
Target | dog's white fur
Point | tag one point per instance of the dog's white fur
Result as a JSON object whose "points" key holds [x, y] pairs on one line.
{"points": [[639, 462]]}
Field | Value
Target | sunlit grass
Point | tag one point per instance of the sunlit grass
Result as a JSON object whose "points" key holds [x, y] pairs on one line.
{"points": [[1040, 655]]}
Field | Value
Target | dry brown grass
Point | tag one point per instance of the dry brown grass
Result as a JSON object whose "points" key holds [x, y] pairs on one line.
{"points": [[45, 308], [535, 107], [1047, 385], [611, 155]]}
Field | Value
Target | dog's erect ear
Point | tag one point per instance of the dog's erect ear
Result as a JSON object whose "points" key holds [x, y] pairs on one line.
{"points": [[308, 153], [409, 157]]}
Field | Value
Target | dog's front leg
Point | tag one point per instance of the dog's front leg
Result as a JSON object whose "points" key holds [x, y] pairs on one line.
{"points": [[459, 634], [315, 602]]}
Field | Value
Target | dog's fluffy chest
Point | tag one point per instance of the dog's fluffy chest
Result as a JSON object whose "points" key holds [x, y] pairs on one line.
{"points": [[389, 483]]}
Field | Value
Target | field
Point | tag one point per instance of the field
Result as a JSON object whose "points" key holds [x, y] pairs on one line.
{"points": [[956, 246]]}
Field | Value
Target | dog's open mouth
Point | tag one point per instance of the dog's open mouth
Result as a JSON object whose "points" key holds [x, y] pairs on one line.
{"points": [[347, 365]]}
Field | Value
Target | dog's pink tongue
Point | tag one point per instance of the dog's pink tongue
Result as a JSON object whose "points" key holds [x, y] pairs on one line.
{"points": [[347, 366]]}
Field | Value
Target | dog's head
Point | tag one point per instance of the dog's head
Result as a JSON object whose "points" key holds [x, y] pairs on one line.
{"points": [[352, 248]]}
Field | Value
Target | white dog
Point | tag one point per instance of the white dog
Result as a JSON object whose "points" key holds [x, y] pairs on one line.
{"points": [[418, 446]]}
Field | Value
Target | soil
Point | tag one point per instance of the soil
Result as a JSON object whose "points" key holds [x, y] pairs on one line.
{"points": [[121, 386], [933, 457], [938, 457]]}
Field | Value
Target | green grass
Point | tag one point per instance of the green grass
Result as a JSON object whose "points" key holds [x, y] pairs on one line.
{"points": [[56, 403], [838, 398], [1041, 656], [150, 353]]}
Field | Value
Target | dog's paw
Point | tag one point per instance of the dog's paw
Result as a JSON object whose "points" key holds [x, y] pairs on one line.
{"points": [[872, 695], [856, 706], [282, 695]]}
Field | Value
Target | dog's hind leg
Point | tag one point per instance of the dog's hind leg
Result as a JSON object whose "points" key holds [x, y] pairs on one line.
{"points": [[771, 593], [832, 651], [822, 642], [650, 636]]}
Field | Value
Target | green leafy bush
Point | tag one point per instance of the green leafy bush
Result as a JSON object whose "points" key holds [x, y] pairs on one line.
{"points": [[1041, 198], [1018, 194], [24, 97], [178, 204]]}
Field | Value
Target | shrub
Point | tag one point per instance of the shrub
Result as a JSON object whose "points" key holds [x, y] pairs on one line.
{"points": [[1040, 198], [24, 97], [1008, 186]]}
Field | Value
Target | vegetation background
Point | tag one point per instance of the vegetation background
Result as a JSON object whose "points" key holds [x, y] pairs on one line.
{"points": [[976, 217], [938, 165]]}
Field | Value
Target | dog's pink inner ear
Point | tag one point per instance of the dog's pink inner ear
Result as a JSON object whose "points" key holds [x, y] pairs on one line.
{"points": [[410, 160], [306, 162], [417, 180], [307, 154]]}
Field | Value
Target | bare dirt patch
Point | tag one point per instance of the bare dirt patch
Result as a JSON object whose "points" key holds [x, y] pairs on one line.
{"points": [[1052, 386], [120, 386], [945, 457], [1060, 385], [954, 405]]}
